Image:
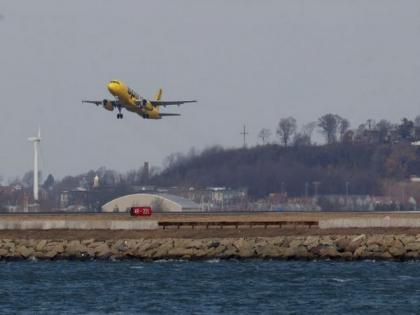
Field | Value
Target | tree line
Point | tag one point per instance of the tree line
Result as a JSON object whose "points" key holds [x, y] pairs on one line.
{"points": [[335, 128], [355, 161]]}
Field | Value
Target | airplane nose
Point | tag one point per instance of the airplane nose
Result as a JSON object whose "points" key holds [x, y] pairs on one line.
{"points": [[111, 87]]}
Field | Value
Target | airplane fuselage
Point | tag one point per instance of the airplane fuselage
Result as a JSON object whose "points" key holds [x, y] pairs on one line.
{"points": [[130, 100]]}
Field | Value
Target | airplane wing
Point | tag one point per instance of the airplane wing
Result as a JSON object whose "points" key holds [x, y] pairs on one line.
{"points": [[97, 103], [166, 103]]}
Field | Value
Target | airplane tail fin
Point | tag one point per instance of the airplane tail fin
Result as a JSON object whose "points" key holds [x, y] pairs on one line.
{"points": [[158, 95]]}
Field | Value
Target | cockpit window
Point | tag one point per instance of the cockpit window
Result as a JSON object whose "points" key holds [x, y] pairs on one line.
{"points": [[116, 82]]}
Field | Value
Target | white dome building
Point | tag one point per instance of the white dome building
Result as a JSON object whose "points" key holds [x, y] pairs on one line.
{"points": [[158, 203]]}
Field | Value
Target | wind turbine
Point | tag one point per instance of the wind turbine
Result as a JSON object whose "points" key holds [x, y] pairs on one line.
{"points": [[36, 141]]}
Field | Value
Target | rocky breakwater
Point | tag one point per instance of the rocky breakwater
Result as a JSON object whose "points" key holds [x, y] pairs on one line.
{"points": [[346, 247]]}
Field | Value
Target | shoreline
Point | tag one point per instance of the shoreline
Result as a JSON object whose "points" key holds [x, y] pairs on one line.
{"points": [[293, 247]]}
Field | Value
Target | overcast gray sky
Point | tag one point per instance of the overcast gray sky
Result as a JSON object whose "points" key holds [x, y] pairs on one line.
{"points": [[249, 62]]}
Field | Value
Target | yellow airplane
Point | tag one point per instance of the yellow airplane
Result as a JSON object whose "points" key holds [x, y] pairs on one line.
{"points": [[131, 101]]}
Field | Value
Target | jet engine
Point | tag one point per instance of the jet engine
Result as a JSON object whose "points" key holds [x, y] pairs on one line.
{"points": [[108, 105], [151, 115]]}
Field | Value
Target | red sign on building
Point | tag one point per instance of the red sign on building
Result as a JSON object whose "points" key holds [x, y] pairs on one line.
{"points": [[141, 211]]}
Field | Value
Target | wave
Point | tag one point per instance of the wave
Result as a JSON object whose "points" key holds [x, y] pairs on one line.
{"points": [[169, 260], [341, 280]]}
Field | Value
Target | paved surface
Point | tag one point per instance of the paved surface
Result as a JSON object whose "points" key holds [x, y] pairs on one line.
{"points": [[187, 232], [206, 217]]}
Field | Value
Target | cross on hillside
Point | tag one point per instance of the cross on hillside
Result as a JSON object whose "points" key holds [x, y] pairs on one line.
{"points": [[244, 134]]}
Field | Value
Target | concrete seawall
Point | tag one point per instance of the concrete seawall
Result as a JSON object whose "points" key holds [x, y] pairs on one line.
{"points": [[78, 225], [385, 222], [345, 247]]}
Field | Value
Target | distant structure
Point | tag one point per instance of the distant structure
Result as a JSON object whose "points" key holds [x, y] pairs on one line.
{"points": [[244, 133], [146, 171], [36, 140], [96, 181]]}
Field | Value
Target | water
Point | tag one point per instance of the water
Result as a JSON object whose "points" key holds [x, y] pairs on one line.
{"points": [[209, 287]]}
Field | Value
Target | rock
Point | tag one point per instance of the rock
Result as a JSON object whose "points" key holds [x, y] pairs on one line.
{"points": [[388, 240], [413, 246], [244, 248], [346, 255], [181, 252], [299, 247], [230, 251], [213, 244], [374, 239], [277, 241], [375, 248], [195, 244], [406, 239], [326, 241], [296, 243], [119, 247], [269, 251], [148, 245], [360, 252], [163, 249], [311, 241], [396, 251], [328, 252], [40, 245], [11, 246], [50, 254], [397, 243], [73, 248], [383, 255], [289, 252], [87, 241], [342, 243], [102, 251], [411, 254], [23, 251], [54, 246], [355, 243]]}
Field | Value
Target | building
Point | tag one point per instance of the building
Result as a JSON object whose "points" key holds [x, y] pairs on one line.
{"points": [[158, 203]]}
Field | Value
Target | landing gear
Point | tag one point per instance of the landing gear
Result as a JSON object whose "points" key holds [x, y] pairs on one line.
{"points": [[119, 115]]}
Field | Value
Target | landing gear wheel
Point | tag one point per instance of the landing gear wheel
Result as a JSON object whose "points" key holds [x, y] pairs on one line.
{"points": [[119, 116]]}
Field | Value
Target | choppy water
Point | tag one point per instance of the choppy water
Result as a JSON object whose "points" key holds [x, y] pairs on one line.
{"points": [[210, 287]]}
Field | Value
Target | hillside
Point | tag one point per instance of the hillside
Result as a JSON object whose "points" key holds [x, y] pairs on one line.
{"points": [[275, 168]]}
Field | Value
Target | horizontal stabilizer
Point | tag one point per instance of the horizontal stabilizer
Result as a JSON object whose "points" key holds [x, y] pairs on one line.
{"points": [[168, 114]]}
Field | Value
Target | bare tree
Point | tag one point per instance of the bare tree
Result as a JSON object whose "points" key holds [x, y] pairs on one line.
{"points": [[417, 121], [329, 125], [309, 128], [406, 129], [264, 135], [301, 139], [28, 179], [384, 127], [285, 130], [343, 127]]}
